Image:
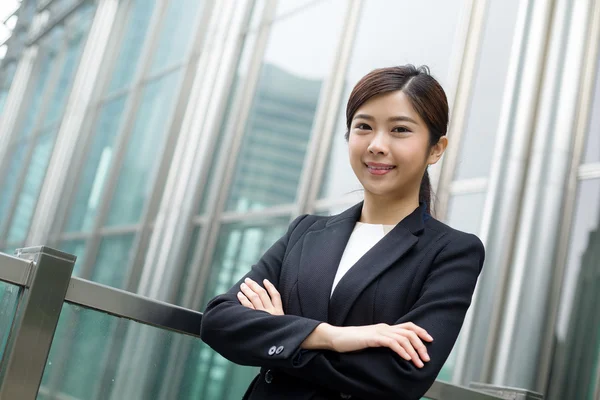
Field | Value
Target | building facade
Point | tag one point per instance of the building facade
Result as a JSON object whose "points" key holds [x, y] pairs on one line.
{"points": [[168, 143]]}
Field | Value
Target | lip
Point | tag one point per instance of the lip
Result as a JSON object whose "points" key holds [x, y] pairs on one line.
{"points": [[375, 168]]}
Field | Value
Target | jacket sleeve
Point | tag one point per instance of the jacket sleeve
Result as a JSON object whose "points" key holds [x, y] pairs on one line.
{"points": [[379, 373], [252, 337]]}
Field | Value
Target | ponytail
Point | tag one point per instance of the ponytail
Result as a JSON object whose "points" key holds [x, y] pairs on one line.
{"points": [[425, 192]]}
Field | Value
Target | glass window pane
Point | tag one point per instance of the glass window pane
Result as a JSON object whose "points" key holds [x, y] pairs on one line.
{"points": [[77, 248], [591, 152], [16, 155], [6, 77], [465, 211], [578, 327], [132, 43], [296, 63], [95, 354], [113, 260], [31, 188], [479, 137], [96, 167], [144, 150], [188, 264], [9, 298], [47, 61], [240, 246], [380, 45], [177, 32]]}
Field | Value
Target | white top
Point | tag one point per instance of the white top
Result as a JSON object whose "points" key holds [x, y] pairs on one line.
{"points": [[363, 237]]}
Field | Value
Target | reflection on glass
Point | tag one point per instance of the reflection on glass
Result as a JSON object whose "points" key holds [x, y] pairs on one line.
{"points": [[143, 150], [380, 45], [239, 247], [279, 125], [31, 187], [138, 20], [96, 167], [465, 211], [592, 148], [176, 34], [113, 260], [578, 329], [77, 248], [187, 264], [479, 136], [9, 298]]}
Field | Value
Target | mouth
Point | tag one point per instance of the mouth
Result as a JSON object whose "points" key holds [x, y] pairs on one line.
{"points": [[379, 169]]}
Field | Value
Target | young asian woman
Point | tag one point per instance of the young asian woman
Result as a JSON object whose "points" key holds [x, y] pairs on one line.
{"points": [[366, 304]]}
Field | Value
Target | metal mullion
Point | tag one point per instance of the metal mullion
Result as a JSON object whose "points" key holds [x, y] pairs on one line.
{"points": [[589, 171], [218, 201], [324, 131], [119, 230], [73, 236], [468, 186], [461, 104], [583, 119], [91, 119], [34, 137], [276, 211], [168, 69], [125, 131]]}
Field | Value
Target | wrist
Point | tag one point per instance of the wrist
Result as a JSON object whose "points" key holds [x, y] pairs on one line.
{"points": [[321, 338]]}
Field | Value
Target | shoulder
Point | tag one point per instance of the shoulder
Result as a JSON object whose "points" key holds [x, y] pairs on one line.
{"points": [[456, 241]]}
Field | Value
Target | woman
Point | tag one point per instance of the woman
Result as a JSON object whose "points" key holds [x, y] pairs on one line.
{"points": [[366, 304]]}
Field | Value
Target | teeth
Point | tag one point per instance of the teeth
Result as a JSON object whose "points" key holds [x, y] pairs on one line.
{"points": [[381, 167]]}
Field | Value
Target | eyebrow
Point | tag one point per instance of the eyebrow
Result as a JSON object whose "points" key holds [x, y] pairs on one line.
{"points": [[397, 118]]}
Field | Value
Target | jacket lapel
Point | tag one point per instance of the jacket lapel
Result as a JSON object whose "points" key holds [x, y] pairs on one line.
{"points": [[384, 254], [320, 256]]}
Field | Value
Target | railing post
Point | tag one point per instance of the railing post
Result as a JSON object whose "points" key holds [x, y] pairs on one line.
{"points": [[22, 366]]}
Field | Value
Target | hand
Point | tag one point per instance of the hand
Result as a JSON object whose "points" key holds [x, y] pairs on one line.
{"points": [[253, 296], [405, 339]]}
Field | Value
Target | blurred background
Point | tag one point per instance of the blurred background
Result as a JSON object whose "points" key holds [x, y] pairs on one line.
{"points": [[168, 143]]}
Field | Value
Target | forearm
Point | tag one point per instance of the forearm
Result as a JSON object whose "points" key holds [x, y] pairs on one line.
{"points": [[321, 338]]}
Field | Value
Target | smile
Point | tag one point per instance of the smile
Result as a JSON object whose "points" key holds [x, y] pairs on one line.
{"points": [[379, 169]]}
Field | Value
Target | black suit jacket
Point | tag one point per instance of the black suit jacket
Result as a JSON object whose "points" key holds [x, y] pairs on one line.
{"points": [[422, 271]]}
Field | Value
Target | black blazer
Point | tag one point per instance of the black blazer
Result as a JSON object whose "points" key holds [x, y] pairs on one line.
{"points": [[422, 271]]}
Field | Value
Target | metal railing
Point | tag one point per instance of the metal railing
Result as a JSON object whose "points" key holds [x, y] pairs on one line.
{"points": [[44, 276]]}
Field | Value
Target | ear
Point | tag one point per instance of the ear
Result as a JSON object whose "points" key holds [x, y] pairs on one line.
{"points": [[437, 150]]}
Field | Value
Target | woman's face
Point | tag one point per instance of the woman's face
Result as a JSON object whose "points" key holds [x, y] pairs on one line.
{"points": [[389, 146]]}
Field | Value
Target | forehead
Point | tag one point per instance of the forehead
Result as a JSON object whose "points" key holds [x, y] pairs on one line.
{"points": [[387, 105]]}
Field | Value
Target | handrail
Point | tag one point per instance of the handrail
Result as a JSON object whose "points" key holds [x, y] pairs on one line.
{"points": [[129, 305], [15, 270]]}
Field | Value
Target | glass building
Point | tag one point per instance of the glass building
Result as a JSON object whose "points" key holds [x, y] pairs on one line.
{"points": [[168, 143]]}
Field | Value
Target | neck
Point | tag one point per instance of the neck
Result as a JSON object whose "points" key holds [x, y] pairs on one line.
{"points": [[387, 211]]}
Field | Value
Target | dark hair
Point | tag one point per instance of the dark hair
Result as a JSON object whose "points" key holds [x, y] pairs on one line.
{"points": [[425, 94]]}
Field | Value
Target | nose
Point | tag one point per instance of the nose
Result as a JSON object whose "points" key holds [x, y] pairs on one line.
{"points": [[378, 144]]}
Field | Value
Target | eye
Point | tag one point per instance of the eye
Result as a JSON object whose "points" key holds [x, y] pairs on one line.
{"points": [[401, 129], [362, 126]]}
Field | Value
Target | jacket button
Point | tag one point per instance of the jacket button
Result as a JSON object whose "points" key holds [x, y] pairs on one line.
{"points": [[279, 350], [269, 376], [345, 396], [272, 350]]}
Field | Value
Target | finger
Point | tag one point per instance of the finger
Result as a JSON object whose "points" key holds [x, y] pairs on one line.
{"points": [[418, 345], [244, 300], [405, 343], [261, 292], [275, 296], [252, 296], [391, 341], [423, 334]]}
